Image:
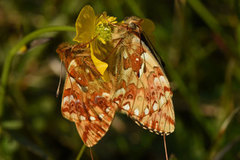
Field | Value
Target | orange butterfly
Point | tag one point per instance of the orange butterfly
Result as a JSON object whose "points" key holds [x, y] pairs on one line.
{"points": [[86, 98], [143, 90], [136, 84]]}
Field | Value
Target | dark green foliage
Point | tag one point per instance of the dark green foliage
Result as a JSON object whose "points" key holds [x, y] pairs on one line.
{"points": [[199, 41]]}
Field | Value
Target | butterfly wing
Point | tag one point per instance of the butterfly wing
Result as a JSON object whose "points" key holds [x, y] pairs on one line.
{"points": [[143, 91], [86, 98]]}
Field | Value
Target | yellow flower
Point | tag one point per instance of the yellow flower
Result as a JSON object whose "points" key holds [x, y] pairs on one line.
{"points": [[97, 32], [103, 29]]}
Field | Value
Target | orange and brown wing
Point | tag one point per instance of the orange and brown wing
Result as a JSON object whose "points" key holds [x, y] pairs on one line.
{"points": [[143, 90], [86, 100]]}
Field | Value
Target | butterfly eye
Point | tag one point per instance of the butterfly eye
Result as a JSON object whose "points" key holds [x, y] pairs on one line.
{"points": [[132, 25]]}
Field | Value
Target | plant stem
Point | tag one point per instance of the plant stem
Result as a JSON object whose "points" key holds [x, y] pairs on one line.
{"points": [[206, 16], [15, 49], [81, 152]]}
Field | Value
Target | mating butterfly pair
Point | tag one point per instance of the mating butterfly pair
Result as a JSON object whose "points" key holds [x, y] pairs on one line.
{"points": [[136, 84]]}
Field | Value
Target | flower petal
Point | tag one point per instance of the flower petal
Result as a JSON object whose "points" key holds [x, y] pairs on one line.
{"points": [[85, 25], [100, 65]]}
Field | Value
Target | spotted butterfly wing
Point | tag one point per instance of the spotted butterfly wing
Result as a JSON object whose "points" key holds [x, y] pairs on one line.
{"points": [[142, 91], [86, 98]]}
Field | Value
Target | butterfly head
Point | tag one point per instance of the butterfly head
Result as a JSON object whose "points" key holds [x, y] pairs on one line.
{"points": [[133, 23], [69, 52]]}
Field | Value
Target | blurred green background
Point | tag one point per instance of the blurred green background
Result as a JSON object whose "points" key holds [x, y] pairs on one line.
{"points": [[199, 41]]}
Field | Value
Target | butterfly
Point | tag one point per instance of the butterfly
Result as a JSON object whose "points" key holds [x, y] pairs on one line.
{"points": [[142, 89], [86, 98], [136, 85]]}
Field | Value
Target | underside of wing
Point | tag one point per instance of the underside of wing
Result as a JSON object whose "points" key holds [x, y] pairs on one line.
{"points": [[143, 91], [86, 100]]}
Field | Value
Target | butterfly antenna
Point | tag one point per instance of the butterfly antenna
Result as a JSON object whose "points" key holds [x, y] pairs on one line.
{"points": [[91, 153], [165, 146], [59, 82]]}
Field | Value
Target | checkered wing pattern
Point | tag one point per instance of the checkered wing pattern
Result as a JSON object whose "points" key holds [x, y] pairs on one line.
{"points": [[86, 98], [143, 91]]}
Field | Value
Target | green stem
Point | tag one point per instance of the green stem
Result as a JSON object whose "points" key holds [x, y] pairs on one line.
{"points": [[15, 49], [237, 5], [81, 152], [202, 11], [220, 136]]}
